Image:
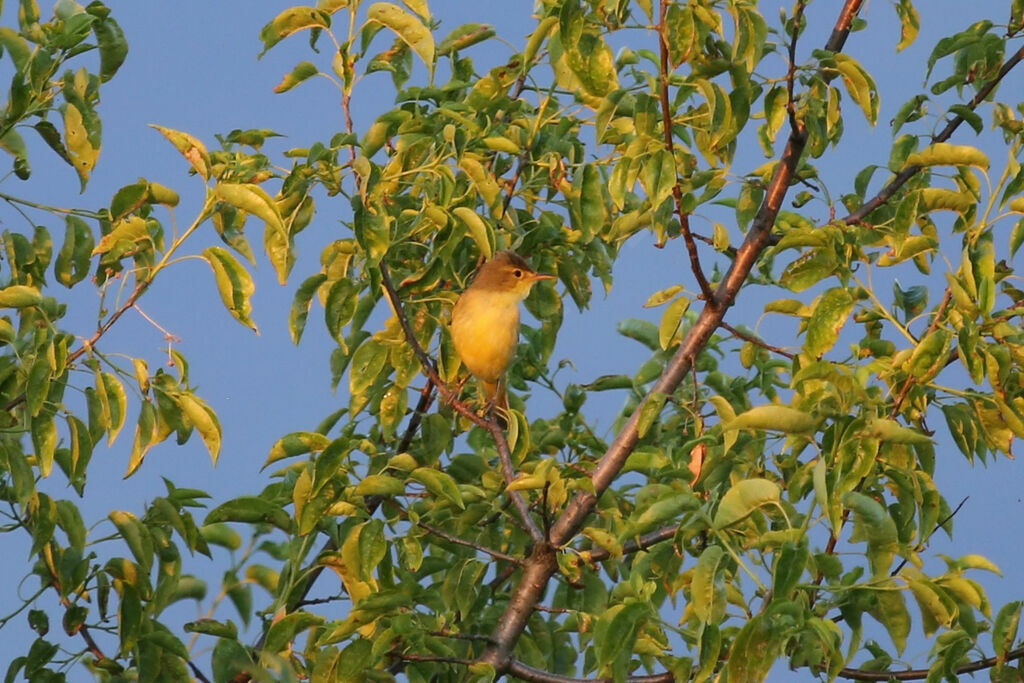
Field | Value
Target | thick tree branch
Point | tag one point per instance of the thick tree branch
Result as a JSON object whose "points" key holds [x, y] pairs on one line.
{"points": [[677, 192], [538, 570], [540, 567]]}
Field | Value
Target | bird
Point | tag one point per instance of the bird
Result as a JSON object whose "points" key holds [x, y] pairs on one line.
{"points": [[485, 321]]}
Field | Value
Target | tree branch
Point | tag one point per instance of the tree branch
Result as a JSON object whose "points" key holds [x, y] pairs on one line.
{"points": [[468, 544], [677, 192], [757, 341], [921, 674], [798, 15], [540, 567], [886, 193], [528, 673], [635, 545]]}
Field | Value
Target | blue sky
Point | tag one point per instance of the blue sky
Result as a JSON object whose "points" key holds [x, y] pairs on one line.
{"points": [[193, 66]]}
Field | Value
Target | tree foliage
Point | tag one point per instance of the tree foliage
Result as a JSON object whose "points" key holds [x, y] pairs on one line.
{"points": [[761, 498]]}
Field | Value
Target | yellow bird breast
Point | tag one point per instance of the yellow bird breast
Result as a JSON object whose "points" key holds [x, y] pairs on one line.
{"points": [[485, 329]]}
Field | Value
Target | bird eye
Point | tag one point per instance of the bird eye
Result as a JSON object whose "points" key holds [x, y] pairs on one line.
{"points": [[517, 272]]}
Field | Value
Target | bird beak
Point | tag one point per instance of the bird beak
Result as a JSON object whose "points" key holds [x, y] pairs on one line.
{"points": [[537, 277]]}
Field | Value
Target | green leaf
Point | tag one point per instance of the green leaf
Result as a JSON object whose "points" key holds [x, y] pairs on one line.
{"points": [[707, 592], [203, 419], [297, 443], [51, 136], [779, 418], [910, 23], [969, 116], [114, 403], [743, 498], [292, 20], [659, 176], [860, 85], [234, 284], [465, 36], [112, 43], [615, 635], [44, 440], [136, 535], [642, 331], [20, 296], [790, 563], [222, 535], [301, 303], [593, 211], [827, 319], [481, 232], [367, 363], [127, 200], [649, 412], [682, 33], [13, 144], [253, 199], [439, 483], [380, 485], [250, 510], [212, 627], [230, 659], [373, 232], [302, 72], [873, 524], [937, 608], [16, 47], [340, 307], [283, 631], [666, 508], [407, 26], [190, 147], [885, 429], [80, 149], [372, 547], [807, 270], [145, 436], [945, 154], [670, 321], [1005, 627]]}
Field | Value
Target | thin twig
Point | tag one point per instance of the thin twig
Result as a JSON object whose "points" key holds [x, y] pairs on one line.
{"points": [[635, 545], [938, 525], [468, 544], [756, 341], [197, 672], [677, 193], [798, 15], [409, 657], [886, 193], [529, 673], [921, 674]]}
